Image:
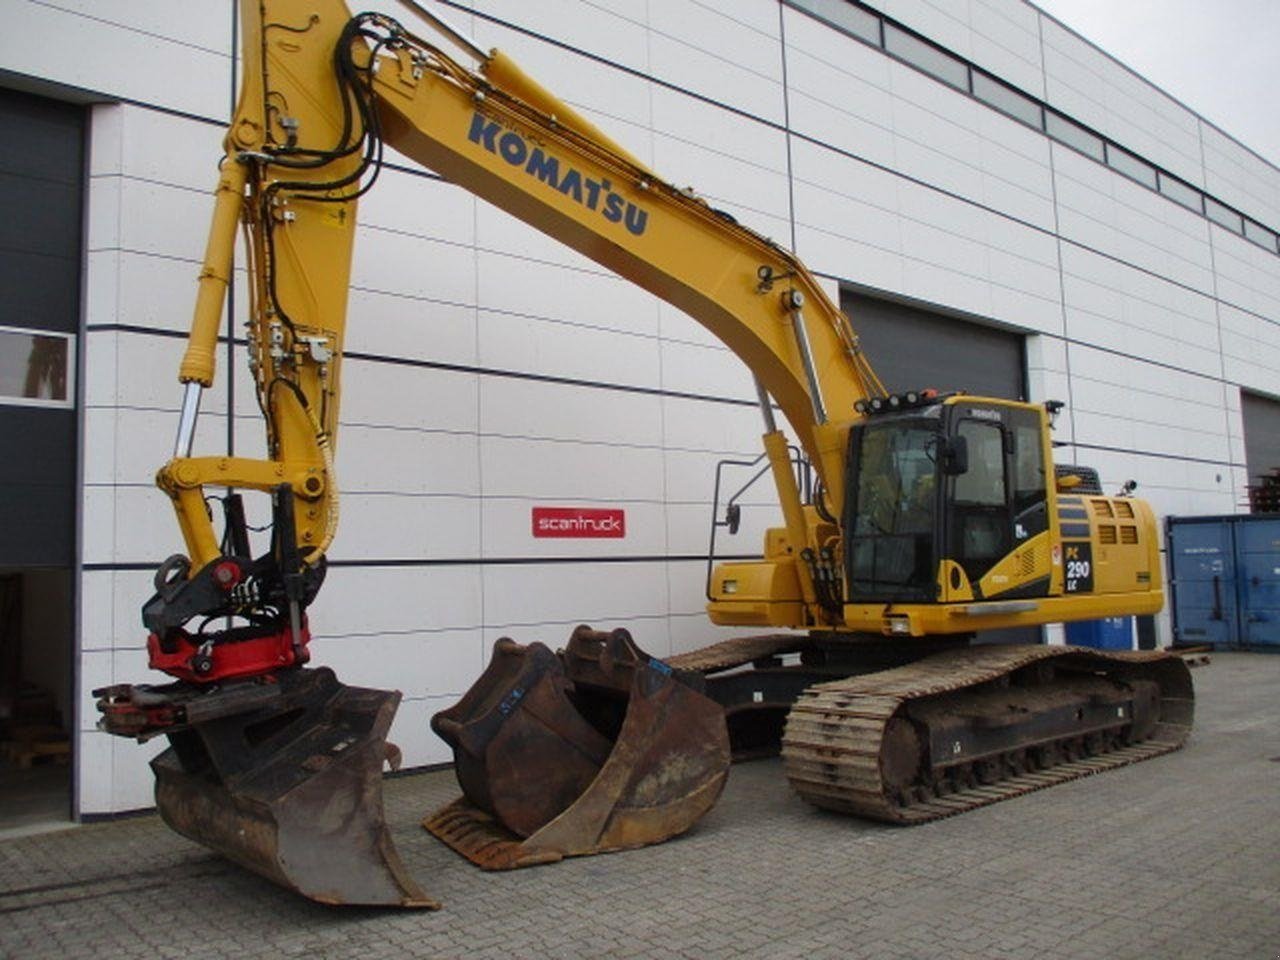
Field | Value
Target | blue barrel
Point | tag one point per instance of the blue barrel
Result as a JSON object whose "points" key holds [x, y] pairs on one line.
{"points": [[1109, 633]]}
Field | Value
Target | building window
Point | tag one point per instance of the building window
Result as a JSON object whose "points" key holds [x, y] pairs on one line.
{"points": [[36, 368], [1179, 192], [1073, 135], [1007, 100], [1223, 215], [926, 57], [1125, 162], [844, 15], [1260, 235]]}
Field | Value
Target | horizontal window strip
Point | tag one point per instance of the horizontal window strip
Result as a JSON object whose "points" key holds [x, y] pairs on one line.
{"points": [[930, 58]]}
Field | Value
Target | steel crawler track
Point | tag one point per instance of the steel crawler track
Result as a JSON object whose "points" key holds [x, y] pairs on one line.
{"points": [[736, 652], [836, 747]]}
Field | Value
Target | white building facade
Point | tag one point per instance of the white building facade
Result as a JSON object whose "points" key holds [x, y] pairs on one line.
{"points": [[985, 167]]}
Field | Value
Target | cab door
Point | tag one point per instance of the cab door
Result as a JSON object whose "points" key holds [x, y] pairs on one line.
{"points": [[979, 528], [999, 501]]}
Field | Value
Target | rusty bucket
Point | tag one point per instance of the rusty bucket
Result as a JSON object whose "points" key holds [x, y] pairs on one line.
{"points": [[596, 749], [284, 779]]}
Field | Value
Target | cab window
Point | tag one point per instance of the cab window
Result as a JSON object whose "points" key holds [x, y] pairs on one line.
{"points": [[1030, 509], [983, 483], [979, 526]]}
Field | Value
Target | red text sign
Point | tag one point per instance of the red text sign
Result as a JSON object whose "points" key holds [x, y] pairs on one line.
{"points": [[578, 522]]}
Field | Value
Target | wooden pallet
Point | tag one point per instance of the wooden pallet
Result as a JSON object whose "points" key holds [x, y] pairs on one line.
{"points": [[30, 745]]}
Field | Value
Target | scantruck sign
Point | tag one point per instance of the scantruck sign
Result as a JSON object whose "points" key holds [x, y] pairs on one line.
{"points": [[576, 522]]}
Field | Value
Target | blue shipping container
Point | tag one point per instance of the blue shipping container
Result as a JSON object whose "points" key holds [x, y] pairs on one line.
{"points": [[1224, 580], [1109, 633]]}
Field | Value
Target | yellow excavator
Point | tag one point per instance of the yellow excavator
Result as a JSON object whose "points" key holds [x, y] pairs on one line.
{"points": [[911, 522]]}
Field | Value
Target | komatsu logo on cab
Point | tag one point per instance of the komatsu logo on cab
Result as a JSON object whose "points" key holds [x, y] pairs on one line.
{"points": [[595, 195]]}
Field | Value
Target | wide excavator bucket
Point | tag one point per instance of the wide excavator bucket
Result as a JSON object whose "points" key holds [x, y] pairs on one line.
{"points": [[285, 779], [598, 748]]}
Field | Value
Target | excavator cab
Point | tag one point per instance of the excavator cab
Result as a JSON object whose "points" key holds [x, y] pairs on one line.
{"points": [[953, 521], [958, 482]]}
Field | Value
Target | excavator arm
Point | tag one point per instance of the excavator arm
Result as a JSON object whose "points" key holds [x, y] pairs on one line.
{"points": [[324, 93], [295, 195]]}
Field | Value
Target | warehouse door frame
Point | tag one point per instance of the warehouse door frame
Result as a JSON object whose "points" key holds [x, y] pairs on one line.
{"points": [[43, 184]]}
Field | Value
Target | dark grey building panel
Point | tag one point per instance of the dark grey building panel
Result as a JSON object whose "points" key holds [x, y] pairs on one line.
{"points": [[35, 292], [41, 187], [37, 487], [50, 147], [41, 193]]}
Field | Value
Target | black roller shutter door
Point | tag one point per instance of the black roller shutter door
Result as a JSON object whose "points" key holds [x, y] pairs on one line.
{"points": [[41, 194], [1261, 434], [913, 349]]}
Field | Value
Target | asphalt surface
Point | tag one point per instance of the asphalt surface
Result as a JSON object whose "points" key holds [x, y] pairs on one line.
{"points": [[1175, 857]]}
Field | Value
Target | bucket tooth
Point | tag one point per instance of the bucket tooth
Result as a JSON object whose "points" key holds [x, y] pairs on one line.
{"points": [[292, 789], [598, 749]]}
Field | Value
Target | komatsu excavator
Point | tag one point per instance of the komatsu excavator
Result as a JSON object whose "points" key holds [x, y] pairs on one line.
{"points": [[911, 522]]}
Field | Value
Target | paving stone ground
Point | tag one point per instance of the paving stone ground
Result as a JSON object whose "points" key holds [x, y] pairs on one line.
{"points": [[1178, 857]]}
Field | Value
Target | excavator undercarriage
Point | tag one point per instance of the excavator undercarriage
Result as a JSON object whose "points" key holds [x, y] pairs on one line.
{"points": [[951, 727], [970, 727]]}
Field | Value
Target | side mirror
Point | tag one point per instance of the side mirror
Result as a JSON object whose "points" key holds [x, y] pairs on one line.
{"points": [[955, 456], [733, 517]]}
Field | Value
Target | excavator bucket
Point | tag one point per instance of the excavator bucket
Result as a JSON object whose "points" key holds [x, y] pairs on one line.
{"points": [[596, 749], [285, 779]]}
